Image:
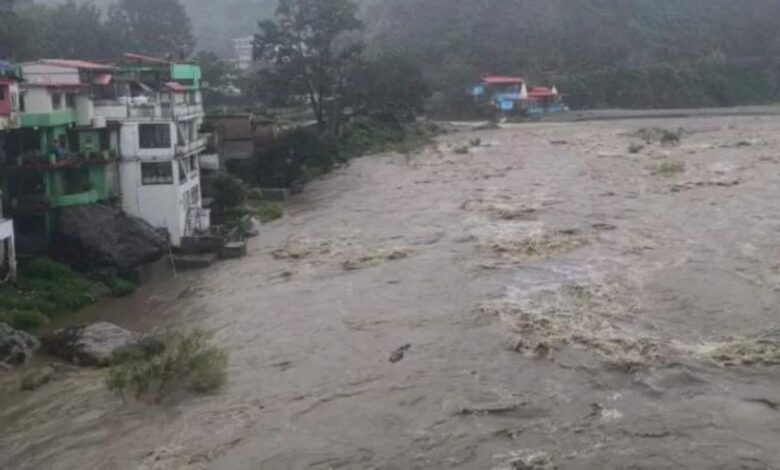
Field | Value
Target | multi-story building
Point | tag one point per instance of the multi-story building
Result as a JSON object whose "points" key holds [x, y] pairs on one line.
{"points": [[62, 155], [89, 132], [158, 108], [9, 120]]}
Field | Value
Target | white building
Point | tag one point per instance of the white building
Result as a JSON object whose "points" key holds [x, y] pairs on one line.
{"points": [[244, 49], [160, 144], [7, 247]]}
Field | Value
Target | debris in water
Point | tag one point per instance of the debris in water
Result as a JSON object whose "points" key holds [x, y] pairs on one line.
{"points": [[587, 317], [538, 246], [375, 259], [526, 460], [398, 354], [763, 350], [492, 409]]}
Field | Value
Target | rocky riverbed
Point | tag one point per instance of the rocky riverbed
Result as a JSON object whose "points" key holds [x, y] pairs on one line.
{"points": [[572, 296]]}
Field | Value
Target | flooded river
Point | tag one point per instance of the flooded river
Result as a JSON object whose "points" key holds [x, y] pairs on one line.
{"points": [[566, 304]]}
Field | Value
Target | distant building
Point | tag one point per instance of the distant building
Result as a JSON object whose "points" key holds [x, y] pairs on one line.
{"points": [[244, 52], [239, 136]]}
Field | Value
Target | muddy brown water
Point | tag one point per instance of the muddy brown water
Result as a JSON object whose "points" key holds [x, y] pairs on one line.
{"points": [[567, 304]]}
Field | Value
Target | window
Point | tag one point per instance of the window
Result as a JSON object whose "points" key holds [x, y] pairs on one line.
{"points": [[154, 136], [153, 173], [22, 103], [193, 163], [70, 100], [2, 93], [56, 100]]}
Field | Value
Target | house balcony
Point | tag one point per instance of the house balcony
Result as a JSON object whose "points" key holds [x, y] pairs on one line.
{"points": [[57, 118], [181, 111], [76, 199], [193, 147], [9, 121], [41, 203], [48, 162], [121, 109]]}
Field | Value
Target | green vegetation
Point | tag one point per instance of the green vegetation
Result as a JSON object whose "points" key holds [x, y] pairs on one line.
{"points": [[300, 155], [265, 210], [663, 136], [174, 360], [46, 289], [670, 168]]}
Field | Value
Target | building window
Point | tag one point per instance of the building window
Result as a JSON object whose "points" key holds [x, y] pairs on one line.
{"points": [[154, 136], [22, 103], [193, 163], [182, 172], [2, 93], [56, 100], [70, 100], [153, 173]]}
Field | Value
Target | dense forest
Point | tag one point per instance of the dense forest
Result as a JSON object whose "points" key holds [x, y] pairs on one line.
{"points": [[626, 53]]}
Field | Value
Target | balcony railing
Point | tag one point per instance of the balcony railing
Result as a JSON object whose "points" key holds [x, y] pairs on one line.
{"points": [[43, 161], [194, 146]]}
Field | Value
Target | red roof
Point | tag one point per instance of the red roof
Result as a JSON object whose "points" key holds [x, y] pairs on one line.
{"points": [[146, 59], [541, 92], [501, 80], [77, 64], [176, 87], [104, 79]]}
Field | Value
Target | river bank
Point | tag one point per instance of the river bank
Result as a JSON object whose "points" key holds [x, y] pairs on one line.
{"points": [[565, 302]]}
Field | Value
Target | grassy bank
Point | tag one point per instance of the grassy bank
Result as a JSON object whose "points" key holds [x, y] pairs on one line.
{"points": [[46, 289], [301, 154]]}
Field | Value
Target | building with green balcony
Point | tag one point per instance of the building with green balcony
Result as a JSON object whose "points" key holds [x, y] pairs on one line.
{"points": [[58, 157]]}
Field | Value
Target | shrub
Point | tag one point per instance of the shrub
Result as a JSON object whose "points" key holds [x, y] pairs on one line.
{"points": [[118, 286], [670, 168], [635, 148], [268, 211], [228, 192], [184, 360], [26, 320], [462, 150]]}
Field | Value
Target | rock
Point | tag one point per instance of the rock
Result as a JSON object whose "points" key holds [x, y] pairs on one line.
{"points": [[16, 346], [91, 346], [34, 379], [96, 236], [398, 354]]}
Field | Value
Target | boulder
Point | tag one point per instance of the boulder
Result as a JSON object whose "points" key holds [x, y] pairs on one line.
{"points": [[34, 379], [92, 345], [16, 346], [97, 236]]}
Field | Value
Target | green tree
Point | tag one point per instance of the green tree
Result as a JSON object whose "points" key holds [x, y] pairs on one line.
{"points": [[76, 31], [390, 86], [308, 49], [157, 27]]}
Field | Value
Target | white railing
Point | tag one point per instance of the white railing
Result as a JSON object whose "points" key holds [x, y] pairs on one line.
{"points": [[194, 146]]}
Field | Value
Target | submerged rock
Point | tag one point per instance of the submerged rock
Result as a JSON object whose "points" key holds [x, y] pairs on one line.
{"points": [[16, 346], [98, 236], [36, 378], [91, 346]]}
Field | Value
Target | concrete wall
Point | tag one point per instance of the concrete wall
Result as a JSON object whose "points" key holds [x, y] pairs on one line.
{"points": [[37, 100], [130, 145], [160, 205], [46, 74]]}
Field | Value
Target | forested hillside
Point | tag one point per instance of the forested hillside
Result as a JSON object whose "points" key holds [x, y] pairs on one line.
{"points": [[630, 53], [634, 53]]}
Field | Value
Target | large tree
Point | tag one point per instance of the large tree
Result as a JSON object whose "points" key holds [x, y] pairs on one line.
{"points": [[157, 27], [307, 49]]}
